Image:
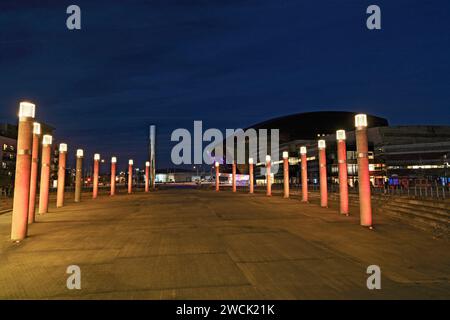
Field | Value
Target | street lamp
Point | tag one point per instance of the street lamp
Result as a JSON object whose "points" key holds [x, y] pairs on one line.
{"points": [[78, 174], [130, 175], [216, 165], [250, 171], [362, 149], [34, 171], [96, 173], [286, 174], [113, 175], [343, 176], [268, 177], [23, 172], [323, 174], [61, 175], [45, 174], [304, 169], [147, 172]]}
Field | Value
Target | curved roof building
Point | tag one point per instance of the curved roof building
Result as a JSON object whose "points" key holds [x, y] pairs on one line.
{"points": [[308, 125]]}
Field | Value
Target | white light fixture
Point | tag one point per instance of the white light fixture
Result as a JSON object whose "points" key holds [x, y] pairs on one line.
{"points": [[302, 150], [27, 110], [47, 140], [360, 120], [321, 144], [113, 160], [130, 162], [80, 153], [268, 158], [250, 160], [96, 156], [216, 164], [147, 163], [285, 154], [36, 128], [340, 135], [62, 147]]}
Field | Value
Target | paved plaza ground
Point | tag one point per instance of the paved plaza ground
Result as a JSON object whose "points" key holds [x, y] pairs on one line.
{"points": [[199, 244]]}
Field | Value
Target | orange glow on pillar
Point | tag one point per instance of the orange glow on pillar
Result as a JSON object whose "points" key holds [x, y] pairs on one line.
{"points": [[250, 171], [34, 172], [362, 150], [113, 176], [268, 177], [23, 172], [323, 174], [286, 174], [61, 175], [95, 181], [45, 174], [304, 169], [233, 182], [147, 173], [130, 176], [216, 164], [342, 164]]}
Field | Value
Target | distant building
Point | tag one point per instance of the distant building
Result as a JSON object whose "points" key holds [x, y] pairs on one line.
{"points": [[396, 153], [8, 153]]}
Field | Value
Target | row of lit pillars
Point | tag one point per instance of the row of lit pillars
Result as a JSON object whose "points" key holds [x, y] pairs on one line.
{"points": [[363, 172], [26, 175]]}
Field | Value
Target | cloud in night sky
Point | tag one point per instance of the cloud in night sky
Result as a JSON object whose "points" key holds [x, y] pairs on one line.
{"points": [[228, 63]]}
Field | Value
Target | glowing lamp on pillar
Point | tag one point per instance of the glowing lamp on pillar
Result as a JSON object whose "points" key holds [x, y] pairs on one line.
{"points": [[342, 165], [61, 175], [147, 173], [362, 150], [268, 176], [233, 176], [130, 176], [45, 174], [34, 171], [21, 199], [323, 174], [78, 174], [250, 171], [216, 165], [113, 176], [96, 172], [286, 174], [304, 171]]}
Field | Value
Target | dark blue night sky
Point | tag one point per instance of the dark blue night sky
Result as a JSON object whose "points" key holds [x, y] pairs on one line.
{"points": [[229, 63]]}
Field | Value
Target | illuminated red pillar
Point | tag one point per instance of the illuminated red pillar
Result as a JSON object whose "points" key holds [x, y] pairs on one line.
{"points": [[362, 150], [342, 164], [61, 175], [95, 178], [323, 174], [286, 174], [304, 166], [130, 176], [234, 176], [250, 171], [23, 172], [113, 175], [34, 172], [147, 175], [78, 175], [45, 174], [216, 164], [268, 176]]}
